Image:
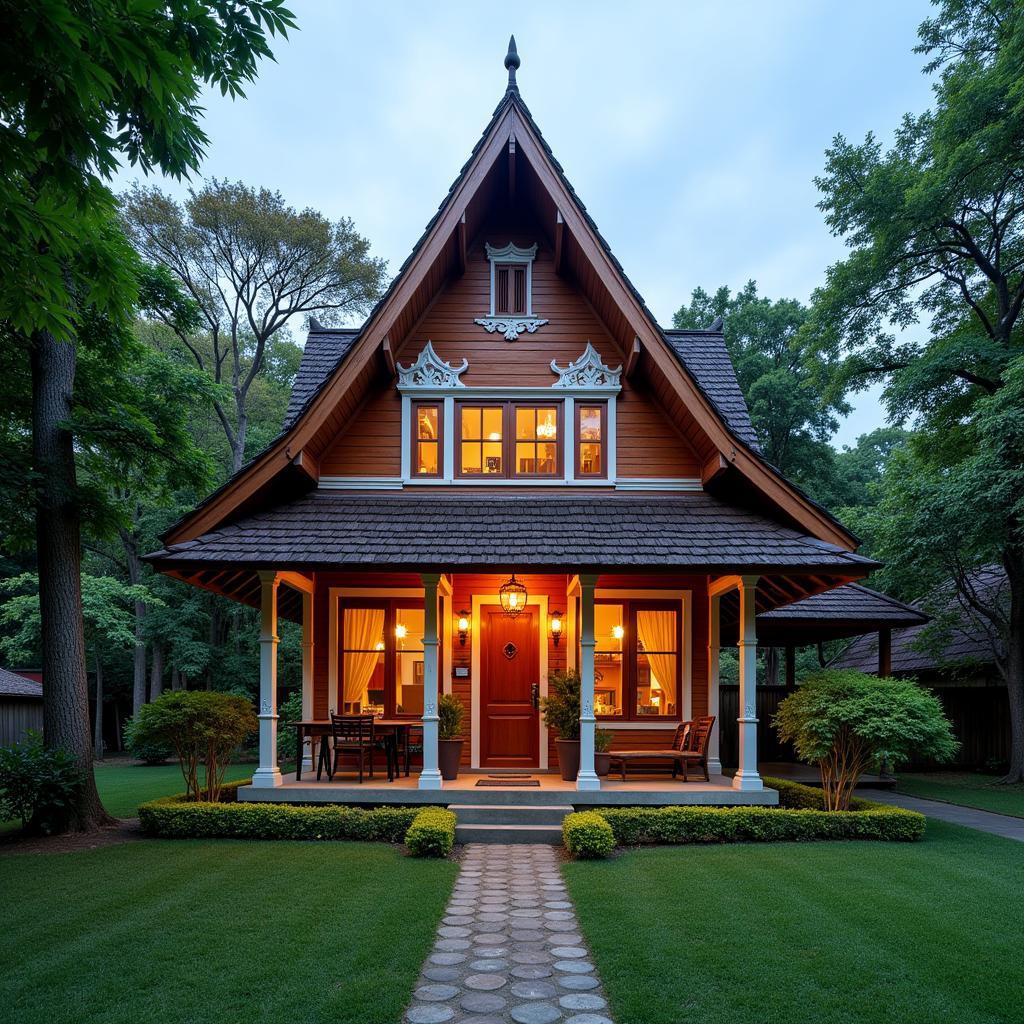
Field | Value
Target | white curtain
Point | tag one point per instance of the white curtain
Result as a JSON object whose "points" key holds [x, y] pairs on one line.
{"points": [[364, 628], [657, 632]]}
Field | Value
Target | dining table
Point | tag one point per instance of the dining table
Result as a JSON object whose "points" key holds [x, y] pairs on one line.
{"points": [[313, 728]]}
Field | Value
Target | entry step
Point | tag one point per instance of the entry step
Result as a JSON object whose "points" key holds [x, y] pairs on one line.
{"points": [[511, 814], [480, 833]]}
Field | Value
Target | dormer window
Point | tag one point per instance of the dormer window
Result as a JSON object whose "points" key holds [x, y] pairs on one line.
{"points": [[511, 308]]}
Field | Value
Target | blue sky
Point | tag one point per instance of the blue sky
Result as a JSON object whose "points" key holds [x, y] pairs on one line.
{"points": [[692, 130]]}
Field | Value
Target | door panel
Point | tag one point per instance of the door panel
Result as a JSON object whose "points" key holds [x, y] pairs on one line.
{"points": [[509, 668]]}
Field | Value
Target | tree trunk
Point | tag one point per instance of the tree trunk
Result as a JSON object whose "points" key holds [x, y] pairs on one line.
{"points": [[1013, 560], [134, 563], [771, 666], [238, 441], [58, 552], [156, 678], [97, 739]]}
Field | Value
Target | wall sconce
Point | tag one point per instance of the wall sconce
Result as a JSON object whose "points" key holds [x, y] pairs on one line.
{"points": [[556, 627], [463, 627]]}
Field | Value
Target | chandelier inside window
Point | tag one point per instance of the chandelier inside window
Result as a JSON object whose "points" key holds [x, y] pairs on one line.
{"points": [[513, 597]]}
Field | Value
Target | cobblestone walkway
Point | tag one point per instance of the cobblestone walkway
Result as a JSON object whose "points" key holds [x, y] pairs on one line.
{"points": [[509, 947]]}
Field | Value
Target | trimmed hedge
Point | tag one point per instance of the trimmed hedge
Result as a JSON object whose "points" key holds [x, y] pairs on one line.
{"points": [[432, 833], [177, 818], [799, 818], [586, 834]]}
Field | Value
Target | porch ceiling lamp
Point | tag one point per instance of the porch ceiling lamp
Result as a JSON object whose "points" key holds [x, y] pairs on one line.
{"points": [[513, 597], [463, 627], [556, 627]]}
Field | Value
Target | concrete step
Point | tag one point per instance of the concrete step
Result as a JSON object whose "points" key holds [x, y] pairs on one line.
{"points": [[547, 834], [510, 814]]}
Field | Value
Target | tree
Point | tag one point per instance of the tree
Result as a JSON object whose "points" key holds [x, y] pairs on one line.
{"points": [[858, 470], [792, 418], [83, 84], [249, 263], [846, 721], [936, 231]]}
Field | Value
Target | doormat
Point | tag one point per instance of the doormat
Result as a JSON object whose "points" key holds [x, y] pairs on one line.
{"points": [[507, 783]]}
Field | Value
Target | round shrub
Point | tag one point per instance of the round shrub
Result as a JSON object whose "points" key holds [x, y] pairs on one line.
{"points": [[432, 833], [587, 835], [149, 750]]}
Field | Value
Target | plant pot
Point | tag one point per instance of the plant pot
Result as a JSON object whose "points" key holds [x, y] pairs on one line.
{"points": [[568, 758], [449, 753], [602, 763]]}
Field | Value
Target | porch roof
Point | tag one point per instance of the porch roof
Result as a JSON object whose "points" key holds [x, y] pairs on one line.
{"points": [[530, 532]]}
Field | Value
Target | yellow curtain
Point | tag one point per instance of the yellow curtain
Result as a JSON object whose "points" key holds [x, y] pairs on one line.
{"points": [[364, 628], [657, 632]]}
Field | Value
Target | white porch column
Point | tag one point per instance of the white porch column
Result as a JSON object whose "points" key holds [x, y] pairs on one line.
{"points": [[714, 649], [587, 777], [307, 673], [430, 777], [268, 774], [746, 777]]}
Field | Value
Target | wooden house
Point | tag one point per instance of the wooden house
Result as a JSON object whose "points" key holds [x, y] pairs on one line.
{"points": [[511, 415]]}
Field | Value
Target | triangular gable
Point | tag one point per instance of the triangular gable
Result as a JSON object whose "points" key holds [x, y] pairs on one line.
{"points": [[437, 254]]}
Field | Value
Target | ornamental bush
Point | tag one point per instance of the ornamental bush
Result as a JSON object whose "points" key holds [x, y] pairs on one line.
{"points": [[560, 709], [450, 712], [587, 835], [202, 727], [845, 722], [149, 752], [432, 833], [38, 786]]}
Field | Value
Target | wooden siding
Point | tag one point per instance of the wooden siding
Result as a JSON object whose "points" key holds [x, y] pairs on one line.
{"points": [[17, 716], [372, 445]]}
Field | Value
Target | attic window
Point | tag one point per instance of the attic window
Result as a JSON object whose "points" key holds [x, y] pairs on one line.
{"points": [[511, 311]]}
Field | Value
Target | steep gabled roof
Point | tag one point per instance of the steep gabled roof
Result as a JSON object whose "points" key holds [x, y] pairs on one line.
{"points": [[728, 439], [325, 348]]}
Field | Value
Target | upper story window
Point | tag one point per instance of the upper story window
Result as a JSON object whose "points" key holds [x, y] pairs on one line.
{"points": [[591, 440], [510, 440], [510, 289], [426, 450], [511, 302]]}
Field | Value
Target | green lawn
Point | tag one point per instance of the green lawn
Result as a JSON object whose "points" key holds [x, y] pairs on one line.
{"points": [[849, 933], [205, 932], [967, 788], [124, 786]]}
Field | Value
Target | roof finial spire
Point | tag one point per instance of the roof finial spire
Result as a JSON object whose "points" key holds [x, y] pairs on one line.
{"points": [[512, 62]]}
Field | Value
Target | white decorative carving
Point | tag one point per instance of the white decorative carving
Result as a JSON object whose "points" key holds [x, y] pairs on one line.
{"points": [[431, 371], [510, 253], [511, 327], [587, 372]]}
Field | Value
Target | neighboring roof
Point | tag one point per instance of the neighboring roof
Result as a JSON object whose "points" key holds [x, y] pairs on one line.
{"points": [[324, 349], [13, 685], [704, 354], [529, 532], [850, 610], [964, 643]]}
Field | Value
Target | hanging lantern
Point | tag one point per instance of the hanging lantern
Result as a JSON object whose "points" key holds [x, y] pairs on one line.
{"points": [[513, 597]]}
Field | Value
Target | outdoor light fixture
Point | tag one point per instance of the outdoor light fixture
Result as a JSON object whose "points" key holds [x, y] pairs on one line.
{"points": [[513, 597], [618, 632], [556, 627], [463, 627]]}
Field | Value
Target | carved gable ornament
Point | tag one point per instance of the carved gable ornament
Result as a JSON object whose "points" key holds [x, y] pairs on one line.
{"points": [[431, 371], [511, 292], [587, 372]]}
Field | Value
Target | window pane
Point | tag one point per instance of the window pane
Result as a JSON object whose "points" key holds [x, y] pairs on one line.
{"points": [[609, 636], [426, 458], [492, 424], [471, 458], [519, 290], [526, 423], [590, 460], [526, 457], [492, 457], [501, 296], [657, 664], [409, 661], [362, 663], [547, 424], [471, 424], [547, 459], [590, 423], [426, 422]]}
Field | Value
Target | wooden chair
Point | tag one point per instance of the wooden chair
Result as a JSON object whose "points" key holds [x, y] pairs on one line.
{"points": [[350, 734]]}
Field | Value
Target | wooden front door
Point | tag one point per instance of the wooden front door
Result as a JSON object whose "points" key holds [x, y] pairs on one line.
{"points": [[509, 670]]}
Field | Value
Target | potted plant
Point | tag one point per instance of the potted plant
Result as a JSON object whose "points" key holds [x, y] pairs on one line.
{"points": [[561, 712], [602, 744], [449, 747]]}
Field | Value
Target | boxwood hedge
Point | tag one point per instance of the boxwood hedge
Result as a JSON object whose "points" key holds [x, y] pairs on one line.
{"points": [[432, 833]]}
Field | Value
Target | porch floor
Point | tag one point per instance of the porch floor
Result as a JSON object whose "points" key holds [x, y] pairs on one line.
{"points": [[649, 790]]}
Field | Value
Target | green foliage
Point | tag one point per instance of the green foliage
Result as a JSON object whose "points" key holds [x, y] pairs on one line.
{"points": [[603, 740], [202, 727], [450, 712], [150, 751], [39, 786], [179, 818], [587, 835], [560, 709], [432, 833], [288, 712], [845, 721]]}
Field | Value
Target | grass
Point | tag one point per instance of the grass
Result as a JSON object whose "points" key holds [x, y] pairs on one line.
{"points": [[206, 932], [969, 789], [850, 933], [124, 786]]}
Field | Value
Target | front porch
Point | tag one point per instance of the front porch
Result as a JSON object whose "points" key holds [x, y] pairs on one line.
{"points": [[648, 790]]}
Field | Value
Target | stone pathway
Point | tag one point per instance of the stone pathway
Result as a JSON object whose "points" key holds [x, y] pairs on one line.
{"points": [[984, 821], [509, 947]]}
